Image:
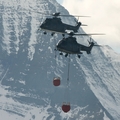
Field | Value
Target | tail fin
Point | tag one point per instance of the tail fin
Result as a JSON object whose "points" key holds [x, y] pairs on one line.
{"points": [[77, 27], [90, 48]]}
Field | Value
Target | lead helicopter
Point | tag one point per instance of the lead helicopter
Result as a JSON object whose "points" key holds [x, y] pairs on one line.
{"points": [[55, 24], [70, 45]]}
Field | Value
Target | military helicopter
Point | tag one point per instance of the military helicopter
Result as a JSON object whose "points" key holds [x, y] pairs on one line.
{"points": [[55, 24], [69, 45]]}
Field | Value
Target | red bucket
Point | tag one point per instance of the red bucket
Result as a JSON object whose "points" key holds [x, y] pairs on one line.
{"points": [[66, 107], [56, 81]]}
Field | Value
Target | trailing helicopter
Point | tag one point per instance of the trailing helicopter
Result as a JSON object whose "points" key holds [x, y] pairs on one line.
{"points": [[70, 45], [55, 24]]}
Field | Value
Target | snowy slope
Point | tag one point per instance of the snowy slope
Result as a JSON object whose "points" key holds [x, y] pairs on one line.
{"points": [[28, 65], [103, 78]]}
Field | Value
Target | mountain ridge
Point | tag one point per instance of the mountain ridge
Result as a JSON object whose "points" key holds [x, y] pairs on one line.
{"points": [[28, 66]]}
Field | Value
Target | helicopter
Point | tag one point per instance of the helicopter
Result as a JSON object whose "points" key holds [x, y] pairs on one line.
{"points": [[55, 24], [70, 45]]}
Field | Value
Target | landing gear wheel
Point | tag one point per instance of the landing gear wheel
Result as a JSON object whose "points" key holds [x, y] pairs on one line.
{"points": [[66, 55], [45, 33], [52, 34], [79, 56], [63, 35], [61, 53]]}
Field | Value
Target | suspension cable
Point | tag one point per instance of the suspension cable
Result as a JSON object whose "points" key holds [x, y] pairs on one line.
{"points": [[55, 47], [68, 69], [66, 94], [55, 53]]}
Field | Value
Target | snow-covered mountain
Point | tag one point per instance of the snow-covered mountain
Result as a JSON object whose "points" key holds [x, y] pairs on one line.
{"points": [[28, 66]]}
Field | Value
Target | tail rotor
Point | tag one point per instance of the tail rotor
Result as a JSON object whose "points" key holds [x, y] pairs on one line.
{"points": [[92, 43], [77, 22]]}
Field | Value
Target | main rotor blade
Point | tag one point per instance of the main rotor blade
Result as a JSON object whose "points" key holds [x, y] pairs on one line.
{"points": [[73, 16], [84, 34], [98, 45], [57, 14], [89, 34], [83, 25]]}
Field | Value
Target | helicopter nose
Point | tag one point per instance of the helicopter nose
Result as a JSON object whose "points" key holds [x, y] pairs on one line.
{"points": [[41, 26], [57, 46]]}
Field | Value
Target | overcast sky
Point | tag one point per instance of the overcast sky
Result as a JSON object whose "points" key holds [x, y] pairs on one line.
{"points": [[105, 18]]}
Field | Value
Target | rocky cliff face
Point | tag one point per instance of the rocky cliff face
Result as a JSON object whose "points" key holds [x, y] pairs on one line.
{"points": [[28, 66]]}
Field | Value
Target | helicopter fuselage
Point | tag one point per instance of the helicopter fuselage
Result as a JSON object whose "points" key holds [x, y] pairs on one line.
{"points": [[55, 24], [69, 45]]}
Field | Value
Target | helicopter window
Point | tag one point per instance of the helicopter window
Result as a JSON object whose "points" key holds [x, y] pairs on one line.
{"points": [[63, 42], [44, 22]]}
